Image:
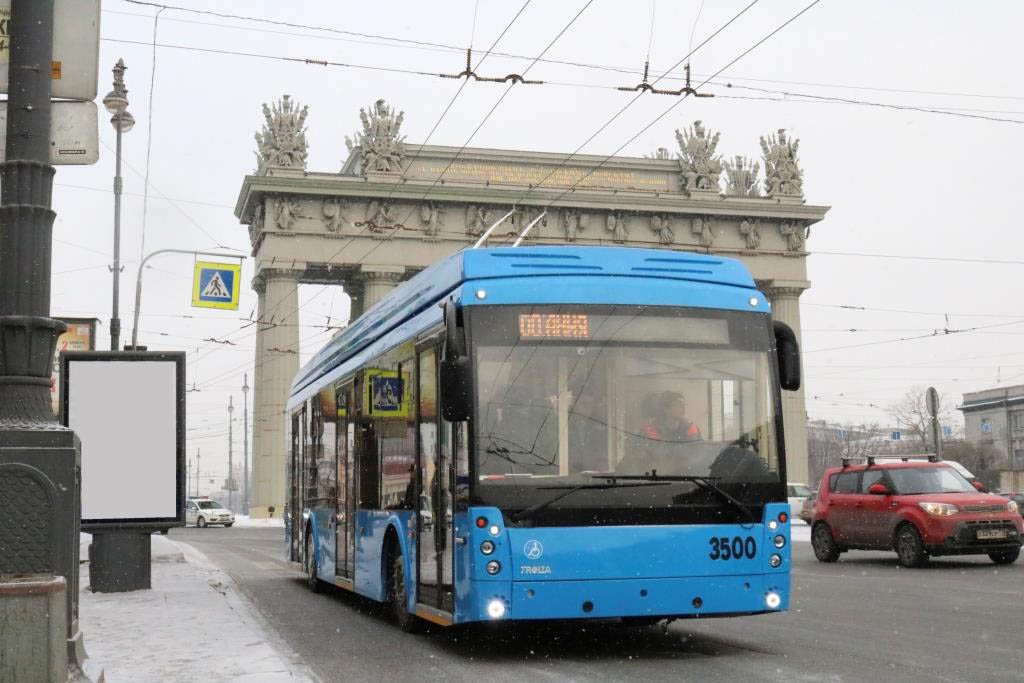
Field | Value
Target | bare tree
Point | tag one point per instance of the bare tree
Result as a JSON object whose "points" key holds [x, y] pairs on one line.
{"points": [[827, 448], [911, 415]]}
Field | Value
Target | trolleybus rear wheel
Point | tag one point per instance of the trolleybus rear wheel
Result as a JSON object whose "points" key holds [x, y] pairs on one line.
{"points": [[397, 594]]}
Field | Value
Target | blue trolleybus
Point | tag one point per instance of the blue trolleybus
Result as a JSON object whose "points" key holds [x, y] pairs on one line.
{"points": [[550, 433]]}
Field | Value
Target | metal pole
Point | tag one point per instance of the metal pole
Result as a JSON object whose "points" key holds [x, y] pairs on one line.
{"points": [[142, 267], [115, 321], [245, 445], [30, 438], [231, 469], [197, 472]]}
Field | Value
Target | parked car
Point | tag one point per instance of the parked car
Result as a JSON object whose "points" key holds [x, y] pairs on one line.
{"points": [[919, 508], [797, 494], [203, 512], [807, 510]]}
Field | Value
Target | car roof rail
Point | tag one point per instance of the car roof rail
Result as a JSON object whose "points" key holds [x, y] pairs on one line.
{"points": [[870, 460], [930, 457]]}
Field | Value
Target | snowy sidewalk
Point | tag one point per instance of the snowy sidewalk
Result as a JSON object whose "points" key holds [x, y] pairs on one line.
{"points": [[193, 625]]}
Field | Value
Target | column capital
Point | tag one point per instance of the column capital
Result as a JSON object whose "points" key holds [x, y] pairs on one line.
{"points": [[783, 288], [390, 275]]}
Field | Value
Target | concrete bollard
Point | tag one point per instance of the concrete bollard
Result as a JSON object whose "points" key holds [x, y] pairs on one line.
{"points": [[33, 623]]}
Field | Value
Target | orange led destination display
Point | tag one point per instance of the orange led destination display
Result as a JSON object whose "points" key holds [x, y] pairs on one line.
{"points": [[554, 326]]}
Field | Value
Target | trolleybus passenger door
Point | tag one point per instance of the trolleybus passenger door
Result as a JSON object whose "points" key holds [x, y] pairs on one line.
{"points": [[427, 454], [344, 511], [444, 529]]}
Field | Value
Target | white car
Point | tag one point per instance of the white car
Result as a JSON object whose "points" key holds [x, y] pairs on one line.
{"points": [[203, 512], [797, 494]]}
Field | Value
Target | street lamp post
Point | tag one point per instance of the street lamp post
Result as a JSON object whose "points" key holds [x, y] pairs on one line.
{"points": [[231, 469], [116, 103], [138, 281], [245, 445]]}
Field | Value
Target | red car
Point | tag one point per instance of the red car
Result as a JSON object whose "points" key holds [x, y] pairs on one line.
{"points": [[919, 508]]}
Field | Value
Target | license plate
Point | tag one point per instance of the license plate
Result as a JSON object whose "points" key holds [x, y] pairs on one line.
{"points": [[985, 534]]}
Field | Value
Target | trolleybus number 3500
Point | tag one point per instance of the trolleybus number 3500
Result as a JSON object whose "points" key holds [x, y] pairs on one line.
{"points": [[737, 549]]}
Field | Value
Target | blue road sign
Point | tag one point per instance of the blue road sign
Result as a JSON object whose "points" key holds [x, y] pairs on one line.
{"points": [[215, 285], [947, 431], [895, 436]]}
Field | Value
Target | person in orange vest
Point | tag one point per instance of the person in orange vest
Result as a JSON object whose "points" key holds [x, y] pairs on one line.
{"points": [[671, 424]]}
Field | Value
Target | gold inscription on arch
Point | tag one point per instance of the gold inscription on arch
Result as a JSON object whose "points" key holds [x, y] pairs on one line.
{"points": [[498, 173]]}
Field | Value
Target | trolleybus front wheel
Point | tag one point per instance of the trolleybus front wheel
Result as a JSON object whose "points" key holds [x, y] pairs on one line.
{"points": [[398, 596]]}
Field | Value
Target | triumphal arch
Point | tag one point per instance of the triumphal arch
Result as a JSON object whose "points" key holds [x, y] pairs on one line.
{"points": [[395, 207]]}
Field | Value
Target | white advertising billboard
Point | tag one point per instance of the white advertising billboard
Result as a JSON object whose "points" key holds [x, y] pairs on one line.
{"points": [[128, 410]]}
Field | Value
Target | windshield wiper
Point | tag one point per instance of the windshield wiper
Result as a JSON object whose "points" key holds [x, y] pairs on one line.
{"points": [[533, 509], [703, 482]]}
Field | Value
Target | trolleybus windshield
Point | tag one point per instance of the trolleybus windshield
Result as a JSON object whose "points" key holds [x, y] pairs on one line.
{"points": [[565, 393]]}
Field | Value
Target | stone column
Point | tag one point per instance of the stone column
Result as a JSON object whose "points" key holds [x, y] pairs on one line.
{"points": [[353, 286], [258, 486], [785, 298], [277, 362], [378, 281]]}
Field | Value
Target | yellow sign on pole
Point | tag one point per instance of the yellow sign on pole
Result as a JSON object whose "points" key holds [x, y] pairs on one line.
{"points": [[215, 285]]}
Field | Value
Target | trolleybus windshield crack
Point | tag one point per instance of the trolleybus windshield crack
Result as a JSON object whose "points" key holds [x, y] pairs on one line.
{"points": [[703, 482], [530, 511]]}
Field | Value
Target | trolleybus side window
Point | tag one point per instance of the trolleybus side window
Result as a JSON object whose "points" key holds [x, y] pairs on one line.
{"points": [[367, 453], [327, 462]]}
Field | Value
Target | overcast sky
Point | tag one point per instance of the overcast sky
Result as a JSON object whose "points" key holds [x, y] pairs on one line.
{"points": [[901, 183]]}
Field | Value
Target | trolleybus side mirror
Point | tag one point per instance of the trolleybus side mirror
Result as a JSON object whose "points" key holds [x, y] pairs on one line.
{"points": [[788, 352], [456, 371]]}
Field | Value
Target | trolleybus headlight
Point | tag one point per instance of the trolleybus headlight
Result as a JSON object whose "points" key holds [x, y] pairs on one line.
{"points": [[496, 608], [780, 541], [773, 600], [783, 517], [494, 530], [773, 525], [775, 560], [487, 547], [1012, 506], [493, 567], [481, 522]]}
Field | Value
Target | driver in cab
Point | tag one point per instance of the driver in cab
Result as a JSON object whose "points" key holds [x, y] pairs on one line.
{"points": [[670, 423]]}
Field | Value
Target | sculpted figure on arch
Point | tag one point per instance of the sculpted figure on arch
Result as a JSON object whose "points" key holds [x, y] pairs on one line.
{"points": [[781, 166], [282, 142], [700, 166], [379, 142]]}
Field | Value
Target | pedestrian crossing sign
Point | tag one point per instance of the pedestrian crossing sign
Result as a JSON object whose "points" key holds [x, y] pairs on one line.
{"points": [[215, 285]]}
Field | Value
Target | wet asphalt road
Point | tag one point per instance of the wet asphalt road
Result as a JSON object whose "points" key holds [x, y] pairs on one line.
{"points": [[861, 619]]}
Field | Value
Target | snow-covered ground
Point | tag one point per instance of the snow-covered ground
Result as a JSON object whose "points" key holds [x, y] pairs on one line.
{"points": [[194, 625], [245, 520], [800, 532]]}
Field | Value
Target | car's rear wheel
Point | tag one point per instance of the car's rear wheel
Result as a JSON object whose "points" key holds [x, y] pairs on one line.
{"points": [[910, 547], [825, 548], [398, 597], [312, 580], [201, 522], [1005, 556]]}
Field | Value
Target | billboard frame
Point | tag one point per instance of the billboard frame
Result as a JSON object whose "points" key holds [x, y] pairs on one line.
{"points": [[176, 357]]}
